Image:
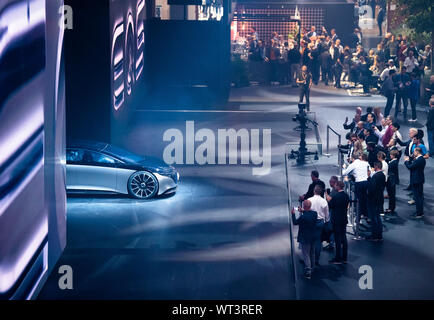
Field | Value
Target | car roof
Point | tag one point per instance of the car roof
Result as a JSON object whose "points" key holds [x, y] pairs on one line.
{"points": [[89, 145]]}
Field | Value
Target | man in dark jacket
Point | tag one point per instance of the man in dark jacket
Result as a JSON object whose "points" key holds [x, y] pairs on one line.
{"points": [[305, 82], [393, 180], [380, 20], [353, 125], [307, 235], [338, 66], [376, 186], [370, 137], [314, 175], [338, 204], [402, 83], [294, 59], [389, 92], [326, 66], [417, 178], [373, 150]]}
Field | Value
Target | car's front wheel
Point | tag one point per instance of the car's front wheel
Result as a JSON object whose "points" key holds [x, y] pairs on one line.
{"points": [[142, 185]]}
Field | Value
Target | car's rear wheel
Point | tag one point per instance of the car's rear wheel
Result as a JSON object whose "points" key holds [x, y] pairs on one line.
{"points": [[142, 185]]}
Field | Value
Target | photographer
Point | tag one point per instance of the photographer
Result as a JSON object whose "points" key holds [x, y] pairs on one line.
{"points": [[349, 148], [357, 118]]}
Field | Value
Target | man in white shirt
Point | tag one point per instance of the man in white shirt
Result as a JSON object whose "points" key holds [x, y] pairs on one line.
{"points": [[380, 134], [396, 137], [381, 156], [410, 62], [321, 207], [385, 73], [359, 169]]}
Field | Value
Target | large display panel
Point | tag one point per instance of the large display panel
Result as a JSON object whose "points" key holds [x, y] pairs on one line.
{"points": [[106, 67], [24, 193]]}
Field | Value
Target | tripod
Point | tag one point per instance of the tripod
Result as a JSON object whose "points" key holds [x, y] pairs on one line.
{"points": [[302, 152]]}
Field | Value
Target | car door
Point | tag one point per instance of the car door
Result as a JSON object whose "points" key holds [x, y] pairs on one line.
{"points": [[90, 170]]}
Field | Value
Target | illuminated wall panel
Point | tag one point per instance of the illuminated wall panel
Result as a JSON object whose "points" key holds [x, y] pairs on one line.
{"points": [[28, 91], [105, 66]]}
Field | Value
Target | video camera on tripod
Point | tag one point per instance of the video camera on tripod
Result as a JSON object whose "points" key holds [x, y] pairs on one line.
{"points": [[302, 118], [302, 152]]}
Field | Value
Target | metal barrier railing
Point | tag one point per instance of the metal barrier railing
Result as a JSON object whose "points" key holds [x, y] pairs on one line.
{"points": [[328, 139], [353, 207], [340, 156], [293, 262]]}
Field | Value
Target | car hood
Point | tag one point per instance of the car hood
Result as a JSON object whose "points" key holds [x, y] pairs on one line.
{"points": [[154, 163]]}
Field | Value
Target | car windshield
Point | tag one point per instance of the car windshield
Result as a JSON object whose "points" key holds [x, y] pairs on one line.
{"points": [[123, 154]]}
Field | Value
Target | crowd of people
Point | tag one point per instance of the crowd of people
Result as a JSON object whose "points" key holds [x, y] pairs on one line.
{"points": [[328, 60], [372, 173]]}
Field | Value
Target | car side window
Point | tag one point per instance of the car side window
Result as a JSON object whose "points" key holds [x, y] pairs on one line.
{"points": [[96, 158], [101, 158], [74, 156]]}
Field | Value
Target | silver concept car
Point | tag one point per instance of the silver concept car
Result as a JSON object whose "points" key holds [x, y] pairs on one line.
{"points": [[101, 167]]}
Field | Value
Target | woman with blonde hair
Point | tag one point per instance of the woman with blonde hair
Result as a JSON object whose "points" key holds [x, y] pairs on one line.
{"points": [[358, 147], [378, 118], [364, 146]]}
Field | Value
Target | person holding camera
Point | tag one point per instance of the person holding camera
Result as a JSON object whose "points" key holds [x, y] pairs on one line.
{"points": [[353, 125], [350, 146]]}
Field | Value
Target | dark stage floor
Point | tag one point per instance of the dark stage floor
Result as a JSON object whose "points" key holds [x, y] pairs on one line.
{"points": [[225, 234]]}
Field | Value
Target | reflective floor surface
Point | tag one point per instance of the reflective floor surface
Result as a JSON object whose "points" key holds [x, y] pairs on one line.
{"points": [[225, 234]]}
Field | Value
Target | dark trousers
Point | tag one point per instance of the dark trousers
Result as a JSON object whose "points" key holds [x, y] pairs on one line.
{"points": [[380, 27], [418, 197], [431, 141], [273, 70], [318, 242], [315, 72], [374, 209], [413, 108], [338, 75], [304, 92], [389, 104], [326, 74], [391, 191], [361, 190], [365, 82], [308, 252], [401, 96], [340, 234]]}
